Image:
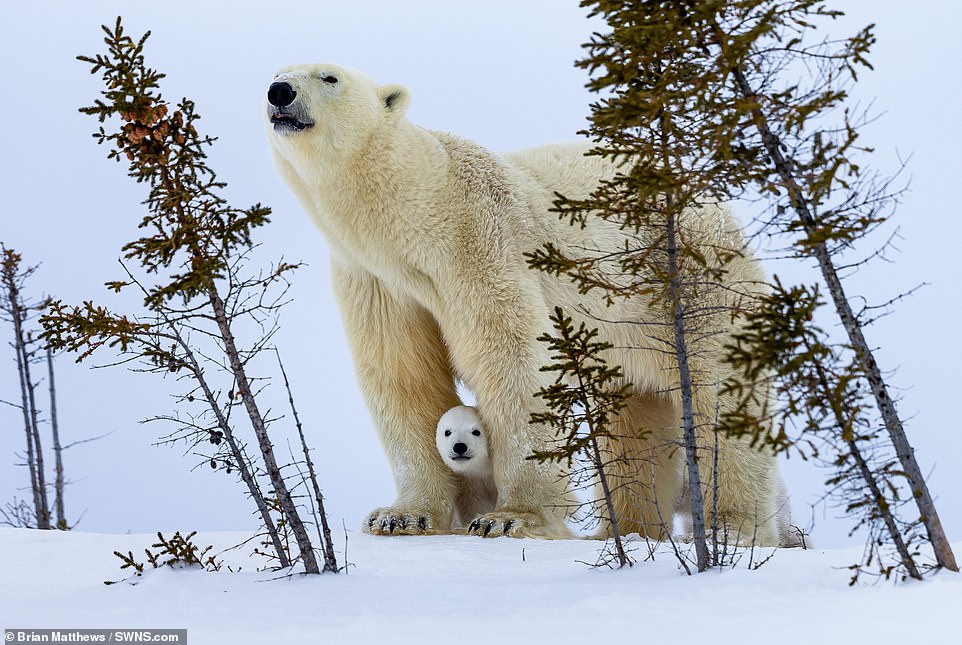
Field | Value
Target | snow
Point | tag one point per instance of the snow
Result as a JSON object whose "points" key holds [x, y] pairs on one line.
{"points": [[460, 589]]}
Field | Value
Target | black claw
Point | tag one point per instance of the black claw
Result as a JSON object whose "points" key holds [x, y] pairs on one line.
{"points": [[507, 526], [487, 529], [392, 525], [404, 522], [370, 522], [475, 525], [423, 523], [384, 524]]}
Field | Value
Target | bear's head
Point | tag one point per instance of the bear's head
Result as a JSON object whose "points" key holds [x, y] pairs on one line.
{"points": [[329, 109], [462, 442]]}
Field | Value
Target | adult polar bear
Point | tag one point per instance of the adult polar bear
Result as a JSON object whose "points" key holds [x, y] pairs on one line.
{"points": [[427, 235]]}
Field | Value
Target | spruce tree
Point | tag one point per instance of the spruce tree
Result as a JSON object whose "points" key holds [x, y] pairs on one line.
{"points": [[704, 96], [580, 403], [190, 269], [649, 117]]}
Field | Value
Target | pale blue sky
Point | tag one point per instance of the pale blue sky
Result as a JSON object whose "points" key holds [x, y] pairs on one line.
{"points": [[497, 72]]}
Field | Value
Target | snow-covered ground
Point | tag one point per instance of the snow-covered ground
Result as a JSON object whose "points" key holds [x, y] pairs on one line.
{"points": [[464, 590]]}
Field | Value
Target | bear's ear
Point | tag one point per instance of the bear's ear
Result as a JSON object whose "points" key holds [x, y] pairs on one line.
{"points": [[395, 99]]}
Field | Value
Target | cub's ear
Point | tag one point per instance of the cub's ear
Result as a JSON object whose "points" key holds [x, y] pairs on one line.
{"points": [[395, 99]]}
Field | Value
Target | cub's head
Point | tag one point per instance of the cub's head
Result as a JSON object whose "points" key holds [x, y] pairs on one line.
{"points": [[328, 108], [463, 442]]}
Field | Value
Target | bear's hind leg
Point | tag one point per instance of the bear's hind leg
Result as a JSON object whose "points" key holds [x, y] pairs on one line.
{"points": [[644, 466], [748, 481]]}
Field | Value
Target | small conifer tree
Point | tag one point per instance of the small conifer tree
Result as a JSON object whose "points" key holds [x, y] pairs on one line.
{"points": [[200, 293], [580, 404], [677, 260], [17, 310], [707, 96]]}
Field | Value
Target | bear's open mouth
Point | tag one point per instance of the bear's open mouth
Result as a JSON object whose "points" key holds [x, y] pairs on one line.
{"points": [[287, 122]]}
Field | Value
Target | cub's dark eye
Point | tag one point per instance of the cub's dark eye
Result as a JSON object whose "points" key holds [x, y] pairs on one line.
{"points": [[476, 432], [330, 79], [447, 433]]}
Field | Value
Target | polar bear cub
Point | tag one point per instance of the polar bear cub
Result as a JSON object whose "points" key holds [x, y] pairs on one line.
{"points": [[462, 442]]}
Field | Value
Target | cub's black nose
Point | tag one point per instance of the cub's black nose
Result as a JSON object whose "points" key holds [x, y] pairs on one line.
{"points": [[460, 448], [281, 94]]}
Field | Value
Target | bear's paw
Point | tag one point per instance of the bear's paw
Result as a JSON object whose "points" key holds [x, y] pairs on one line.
{"points": [[397, 521], [518, 525]]}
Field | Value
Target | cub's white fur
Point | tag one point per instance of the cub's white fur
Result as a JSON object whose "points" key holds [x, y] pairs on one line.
{"points": [[463, 445], [428, 234]]}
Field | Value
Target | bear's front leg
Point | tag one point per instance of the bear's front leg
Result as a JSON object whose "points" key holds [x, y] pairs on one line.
{"points": [[492, 329], [532, 496], [405, 375]]}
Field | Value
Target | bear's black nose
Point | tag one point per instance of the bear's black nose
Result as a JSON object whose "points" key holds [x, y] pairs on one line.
{"points": [[281, 94], [460, 448]]}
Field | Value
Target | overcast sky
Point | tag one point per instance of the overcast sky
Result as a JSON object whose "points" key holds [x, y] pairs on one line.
{"points": [[498, 72]]}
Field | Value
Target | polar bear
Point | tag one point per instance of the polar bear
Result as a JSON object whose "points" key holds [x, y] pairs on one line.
{"points": [[428, 236], [462, 442]]}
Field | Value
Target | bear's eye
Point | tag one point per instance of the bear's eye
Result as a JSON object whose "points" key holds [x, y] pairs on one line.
{"points": [[447, 433], [476, 432], [330, 79]]}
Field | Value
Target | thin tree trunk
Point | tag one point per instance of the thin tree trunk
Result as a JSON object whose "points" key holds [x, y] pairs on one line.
{"points": [[714, 489], [884, 510], [34, 448], [866, 359], [242, 464], [31, 461], [907, 560], [43, 523], [263, 439], [57, 450], [603, 478], [688, 416], [330, 561]]}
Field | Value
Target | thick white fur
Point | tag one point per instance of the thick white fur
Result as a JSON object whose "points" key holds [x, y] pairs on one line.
{"points": [[471, 463], [789, 535], [427, 233]]}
